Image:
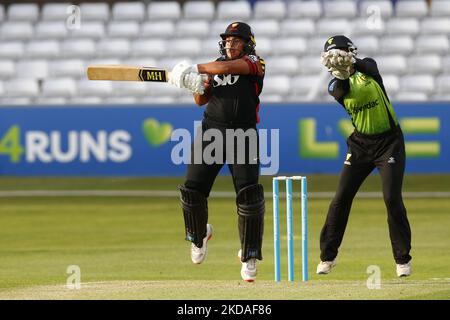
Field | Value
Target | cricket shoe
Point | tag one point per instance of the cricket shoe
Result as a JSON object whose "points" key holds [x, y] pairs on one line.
{"points": [[404, 270], [324, 267], [198, 255], [248, 269]]}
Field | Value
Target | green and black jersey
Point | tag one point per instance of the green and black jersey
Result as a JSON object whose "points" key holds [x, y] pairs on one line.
{"points": [[364, 98]]}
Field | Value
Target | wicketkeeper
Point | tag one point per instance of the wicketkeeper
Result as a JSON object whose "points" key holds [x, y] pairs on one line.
{"points": [[377, 142], [231, 92]]}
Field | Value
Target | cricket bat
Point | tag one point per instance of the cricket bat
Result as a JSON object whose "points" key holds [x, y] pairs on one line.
{"points": [[127, 73]]}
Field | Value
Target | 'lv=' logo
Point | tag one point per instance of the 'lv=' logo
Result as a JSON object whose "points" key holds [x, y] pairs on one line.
{"points": [[223, 80]]}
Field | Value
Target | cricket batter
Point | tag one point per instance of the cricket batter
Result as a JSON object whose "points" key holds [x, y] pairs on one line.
{"points": [[231, 95], [377, 142]]}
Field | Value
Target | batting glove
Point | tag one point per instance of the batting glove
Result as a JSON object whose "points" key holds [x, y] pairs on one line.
{"points": [[195, 82], [179, 72]]}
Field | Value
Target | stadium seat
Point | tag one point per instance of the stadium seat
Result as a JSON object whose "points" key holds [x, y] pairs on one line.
{"points": [[234, 10], [78, 48], [310, 65], [289, 45], [439, 8], [367, 45], [158, 89], [123, 29], [294, 27], [440, 97], [394, 64], [164, 10], [269, 10], [97, 11], [397, 45], [266, 28], [143, 61], [130, 89], [285, 65], [185, 99], [35, 69], [16, 31], [315, 45], [157, 100], [218, 27], [51, 30], [15, 101], [7, 69], [264, 47], [343, 9], [192, 28], [85, 100], [120, 100], [128, 11], [23, 12], [410, 96], [157, 29], [115, 48], [435, 26], [198, 10], [87, 88], [93, 30], [417, 83], [51, 101], [369, 8], [402, 26], [62, 87], [425, 64], [411, 8], [432, 44], [365, 27], [210, 47], [304, 9], [186, 47], [271, 98], [74, 68], [329, 27], [42, 49], [391, 84], [443, 84], [11, 49], [151, 48], [98, 61], [302, 85], [21, 88], [55, 11], [446, 64]]}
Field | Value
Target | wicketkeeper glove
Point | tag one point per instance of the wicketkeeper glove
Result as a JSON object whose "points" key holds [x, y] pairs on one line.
{"points": [[338, 62]]}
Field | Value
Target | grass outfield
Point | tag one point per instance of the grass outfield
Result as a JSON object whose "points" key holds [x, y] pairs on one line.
{"points": [[133, 247]]}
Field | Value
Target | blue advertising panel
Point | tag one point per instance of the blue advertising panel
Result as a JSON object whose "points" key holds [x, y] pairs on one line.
{"points": [[153, 141]]}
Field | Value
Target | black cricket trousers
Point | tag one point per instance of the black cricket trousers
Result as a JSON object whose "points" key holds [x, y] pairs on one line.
{"points": [[386, 152], [201, 176]]}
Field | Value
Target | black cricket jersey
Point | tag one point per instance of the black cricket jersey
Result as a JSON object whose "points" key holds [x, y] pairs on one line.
{"points": [[234, 100]]}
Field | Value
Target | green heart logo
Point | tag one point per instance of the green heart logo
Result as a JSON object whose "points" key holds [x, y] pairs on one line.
{"points": [[156, 133]]}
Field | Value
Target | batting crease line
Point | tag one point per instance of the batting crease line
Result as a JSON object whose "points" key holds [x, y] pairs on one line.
{"points": [[216, 194]]}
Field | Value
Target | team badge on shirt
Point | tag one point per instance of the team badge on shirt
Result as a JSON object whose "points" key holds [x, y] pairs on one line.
{"points": [[253, 58]]}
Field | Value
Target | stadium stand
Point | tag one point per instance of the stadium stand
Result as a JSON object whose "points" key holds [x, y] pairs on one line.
{"points": [[43, 58]]}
